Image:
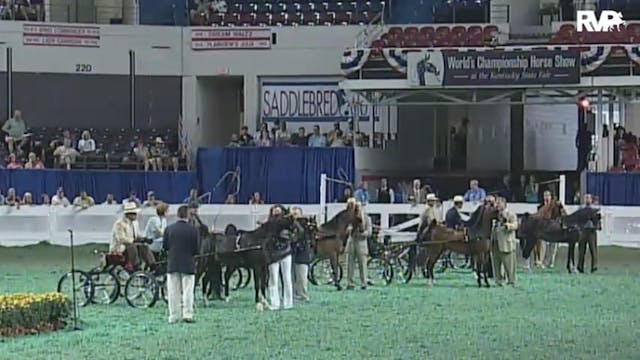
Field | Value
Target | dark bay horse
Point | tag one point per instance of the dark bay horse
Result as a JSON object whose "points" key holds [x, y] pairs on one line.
{"points": [[331, 238], [588, 220], [475, 244], [246, 249]]}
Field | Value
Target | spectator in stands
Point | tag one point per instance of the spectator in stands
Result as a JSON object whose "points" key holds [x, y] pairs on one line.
{"points": [[300, 138], [264, 139], [59, 198], [245, 138], [618, 141], [5, 10], [281, 136], [151, 200], [418, 193], [453, 218], [531, 190], [230, 200], [33, 162], [193, 197], [83, 201], [202, 9], [338, 139], [16, 129], [13, 163], [66, 154], [27, 199], [506, 191], [160, 157], [234, 141], [385, 194], [12, 198], [629, 157], [362, 194], [256, 199], [110, 200], [316, 139], [45, 200], [475, 192], [346, 195], [132, 198], [86, 145], [141, 154]]}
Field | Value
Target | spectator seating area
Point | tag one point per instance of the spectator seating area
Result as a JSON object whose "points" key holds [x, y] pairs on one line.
{"points": [[630, 8], [438, 36], [32, 10], [460, 11], [114, 146], [567, 34], [286, 12]]}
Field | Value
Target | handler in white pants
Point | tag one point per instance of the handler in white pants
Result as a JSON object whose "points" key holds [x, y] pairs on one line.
{"points": [[281, 253], [180, 240]]}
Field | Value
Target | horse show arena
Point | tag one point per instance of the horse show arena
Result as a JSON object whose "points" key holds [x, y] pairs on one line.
{"points": [[550, 315]]}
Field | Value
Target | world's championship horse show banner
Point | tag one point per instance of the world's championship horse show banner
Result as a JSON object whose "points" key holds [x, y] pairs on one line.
{"points": [[61, 35], [492, 67], [230, 39]]}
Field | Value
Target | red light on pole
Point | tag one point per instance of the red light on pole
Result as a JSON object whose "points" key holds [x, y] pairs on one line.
{"points": [[584, 103]]}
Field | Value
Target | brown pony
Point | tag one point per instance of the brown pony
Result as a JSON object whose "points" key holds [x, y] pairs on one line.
{"points": [[330, 238], [438, 239]]}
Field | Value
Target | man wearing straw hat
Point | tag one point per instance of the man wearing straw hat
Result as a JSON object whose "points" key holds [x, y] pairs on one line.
{"points": [[125, 237]]}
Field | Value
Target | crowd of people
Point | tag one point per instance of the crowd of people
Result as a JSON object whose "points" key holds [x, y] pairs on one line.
{"points": [[278, 135], [626, 154]]}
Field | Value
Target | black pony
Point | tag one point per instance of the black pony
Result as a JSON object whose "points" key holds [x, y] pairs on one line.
{"points": [[247, 249], [572, 229]]}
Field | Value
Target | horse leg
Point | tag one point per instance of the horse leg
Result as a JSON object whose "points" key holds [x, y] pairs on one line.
{"points": [[265, 272], [480, 271], [582, 248], [486, 265], [571, 256], [333, 258], [593, 250], [257, 284], [228, 271]]}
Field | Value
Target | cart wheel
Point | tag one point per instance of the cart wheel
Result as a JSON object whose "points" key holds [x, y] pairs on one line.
{"points": [[106, 288], [379, 269], [236, 279], [320, 272], [141, 290], [84, 287], [162, 283], [246, 277]]}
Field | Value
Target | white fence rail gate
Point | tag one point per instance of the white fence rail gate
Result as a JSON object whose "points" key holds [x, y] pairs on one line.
{"points": [[30, 225]]}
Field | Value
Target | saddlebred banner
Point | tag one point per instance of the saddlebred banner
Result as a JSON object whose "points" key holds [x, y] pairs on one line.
{"points": [[493, 67]]}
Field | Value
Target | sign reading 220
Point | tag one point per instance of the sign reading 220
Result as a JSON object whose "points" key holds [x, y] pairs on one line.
{"points": [[84, 68]]}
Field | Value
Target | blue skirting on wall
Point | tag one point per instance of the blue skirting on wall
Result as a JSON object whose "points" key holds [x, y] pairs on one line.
{"points": [[615, 188], [172, 187], [281, 175]]}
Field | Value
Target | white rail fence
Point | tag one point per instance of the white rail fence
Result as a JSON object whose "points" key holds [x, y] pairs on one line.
{"points": [[30, 225]]}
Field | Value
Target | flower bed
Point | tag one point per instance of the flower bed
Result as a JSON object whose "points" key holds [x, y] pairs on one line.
{"points": [[24, 314]]}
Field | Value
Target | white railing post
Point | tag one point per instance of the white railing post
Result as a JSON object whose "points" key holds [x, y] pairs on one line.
{"points": [[562, 188], [323, 198]]}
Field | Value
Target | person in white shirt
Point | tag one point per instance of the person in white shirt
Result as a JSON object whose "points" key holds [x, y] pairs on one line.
{"points": [[86, 144], [59, 199], [132, 198], [156, 226]]}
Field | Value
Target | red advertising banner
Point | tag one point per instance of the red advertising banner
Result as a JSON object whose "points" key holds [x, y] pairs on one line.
{"points": [[61, 35], [230, 39]]}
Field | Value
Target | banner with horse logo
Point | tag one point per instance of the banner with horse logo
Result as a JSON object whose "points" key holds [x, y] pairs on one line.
{"points": [[493, 67]]}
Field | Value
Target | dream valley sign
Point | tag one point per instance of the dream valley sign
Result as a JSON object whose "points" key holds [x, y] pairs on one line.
{"points": [[439, 68]]}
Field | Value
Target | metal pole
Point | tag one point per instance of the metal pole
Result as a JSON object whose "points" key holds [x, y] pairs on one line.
{"points": [[132, 89], [73, 281], [323, 198], [562, 188], [9, 82]]}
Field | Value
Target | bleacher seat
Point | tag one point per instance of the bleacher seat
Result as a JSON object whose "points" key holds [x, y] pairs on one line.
{"points": [[567, 34], [293, 12], [438, 36]]}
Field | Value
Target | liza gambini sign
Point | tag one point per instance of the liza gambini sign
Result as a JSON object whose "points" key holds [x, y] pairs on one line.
{"points": [[435, 68]]}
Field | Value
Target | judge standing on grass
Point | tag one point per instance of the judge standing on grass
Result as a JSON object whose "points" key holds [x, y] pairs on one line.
{"points": [[180, 240]]}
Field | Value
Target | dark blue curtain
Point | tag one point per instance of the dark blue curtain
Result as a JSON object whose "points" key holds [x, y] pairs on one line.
{"points": [[615, 189], [281, 175], [171, 187]]}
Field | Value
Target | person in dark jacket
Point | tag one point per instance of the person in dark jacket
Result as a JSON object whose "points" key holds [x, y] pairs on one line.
{"points": [[214, 266], [453, 219], [281, 264], [302, 256], [180, 241]]}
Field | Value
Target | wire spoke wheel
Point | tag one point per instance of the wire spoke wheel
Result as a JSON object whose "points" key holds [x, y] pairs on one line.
{"points": [[321, 272], [106, 288], [84, 286], [379, 271], [236, 279], [141, 290]]}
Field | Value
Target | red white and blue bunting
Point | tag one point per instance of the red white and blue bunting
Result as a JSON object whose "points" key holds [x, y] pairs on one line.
{"points": [[633, 51], [594, 57], [353, 60], [397, 59]]}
